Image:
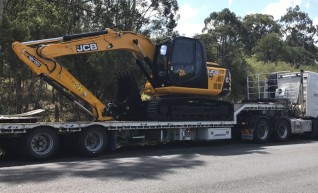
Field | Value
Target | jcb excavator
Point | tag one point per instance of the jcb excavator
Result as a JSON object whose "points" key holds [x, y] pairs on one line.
{"points": [[180, 80]]}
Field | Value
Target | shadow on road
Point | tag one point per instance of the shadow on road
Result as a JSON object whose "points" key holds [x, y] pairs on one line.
{"points": [[133, 163]]}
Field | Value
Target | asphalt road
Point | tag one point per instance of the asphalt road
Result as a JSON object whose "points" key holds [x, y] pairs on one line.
{"points": [[227, 166]]}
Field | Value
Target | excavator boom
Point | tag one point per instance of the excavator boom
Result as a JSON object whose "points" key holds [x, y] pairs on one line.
{"points": [[39, 57]]}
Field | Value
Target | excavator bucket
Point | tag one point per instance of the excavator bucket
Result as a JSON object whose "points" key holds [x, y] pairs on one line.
{"points": [[128, 104], [127, 88]]}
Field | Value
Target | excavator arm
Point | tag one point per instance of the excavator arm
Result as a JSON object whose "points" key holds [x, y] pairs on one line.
{"points": [[40, 56]]}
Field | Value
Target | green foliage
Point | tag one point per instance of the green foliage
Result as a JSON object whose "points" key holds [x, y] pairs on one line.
{"points": [[22, 21], [38, 19], [212, 47], [292, 39], [256, 27], [270, 48], [257, 67], [298, 27], [257, 43], [299, 31], [224, 25], [224, 29], [155, 17]]}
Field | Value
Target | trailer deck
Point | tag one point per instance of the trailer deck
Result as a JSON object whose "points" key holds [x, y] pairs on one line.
{"points": [[12, 128]]}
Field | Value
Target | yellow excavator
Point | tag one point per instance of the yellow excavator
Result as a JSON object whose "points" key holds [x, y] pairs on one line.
{"points": [[180, 79]]}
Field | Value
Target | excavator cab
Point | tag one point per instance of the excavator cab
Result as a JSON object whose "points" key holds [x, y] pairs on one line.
{"points": [[185, 82], [180, 62], [180, 67]]}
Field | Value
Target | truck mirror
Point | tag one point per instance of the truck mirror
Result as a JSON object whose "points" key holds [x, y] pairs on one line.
{"points": [[163, 50]]}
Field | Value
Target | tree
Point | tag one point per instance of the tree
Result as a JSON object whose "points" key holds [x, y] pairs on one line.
{"points": [[2, 4], [224, 25], [255, 27], [224, 28], [212, 47], [270, 48], [299, 31], [25, 20], [150, 17]]}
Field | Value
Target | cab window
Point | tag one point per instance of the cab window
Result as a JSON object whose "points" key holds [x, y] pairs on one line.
{"points": [[182, 59]]}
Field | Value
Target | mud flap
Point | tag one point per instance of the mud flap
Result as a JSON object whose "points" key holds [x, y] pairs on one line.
{"points": [[314, 132]]}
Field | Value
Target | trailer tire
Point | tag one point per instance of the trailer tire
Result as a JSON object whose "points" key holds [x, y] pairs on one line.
{"points": [[282, 130], [92, 141], [41, 143], [262, 130]]}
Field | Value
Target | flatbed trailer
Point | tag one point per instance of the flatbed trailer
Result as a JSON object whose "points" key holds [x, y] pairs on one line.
{"points": [[270, 115]]}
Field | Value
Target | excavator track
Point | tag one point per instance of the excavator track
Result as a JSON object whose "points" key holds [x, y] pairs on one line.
{"points": [[185, 108]]}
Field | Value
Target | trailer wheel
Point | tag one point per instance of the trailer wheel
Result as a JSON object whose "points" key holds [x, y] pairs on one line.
{"points": [[282, 130], [92, 141], [262, 130], [41, 143]]}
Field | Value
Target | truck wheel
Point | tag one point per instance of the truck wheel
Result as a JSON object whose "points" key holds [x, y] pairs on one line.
{"points": [[41, 143], [262, 130], [282, 130], [92, 141]]}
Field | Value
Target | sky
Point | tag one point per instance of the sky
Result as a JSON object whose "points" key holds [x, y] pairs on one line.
{"points": [[193, 12]]}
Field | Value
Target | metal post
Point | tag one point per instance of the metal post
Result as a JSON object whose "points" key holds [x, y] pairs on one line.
{"points": [[301, 93], [258, 88]]}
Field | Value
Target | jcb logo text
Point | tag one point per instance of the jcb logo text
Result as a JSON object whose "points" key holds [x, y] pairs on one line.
{"points": [[86, 47]]}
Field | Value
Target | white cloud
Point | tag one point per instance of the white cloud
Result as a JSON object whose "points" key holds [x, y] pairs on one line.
{"points": [[190, 29], [187, 25], [315, 21], [307, 5], [186, 12], [279, 8], [229, 2]]}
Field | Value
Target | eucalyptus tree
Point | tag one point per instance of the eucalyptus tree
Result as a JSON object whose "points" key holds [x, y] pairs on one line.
{"points": [[255, 27], [300, 33], [225, 28]]}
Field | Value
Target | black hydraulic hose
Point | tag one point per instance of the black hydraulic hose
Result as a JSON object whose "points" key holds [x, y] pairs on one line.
{"points": [[39, 52], [143, 69], [82, 35]]}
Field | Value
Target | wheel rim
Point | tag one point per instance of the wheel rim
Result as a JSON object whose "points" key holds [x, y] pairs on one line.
{"points": [[282, 131], [42, 143], [263, 131], [94, 141]]}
